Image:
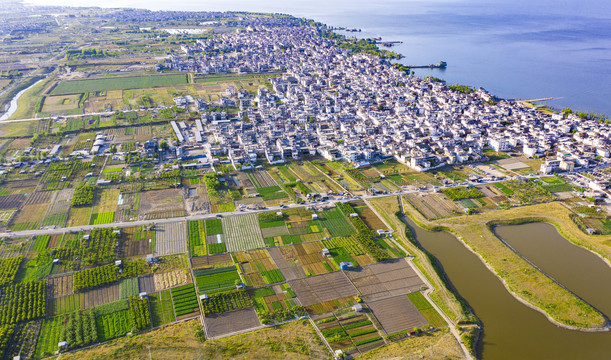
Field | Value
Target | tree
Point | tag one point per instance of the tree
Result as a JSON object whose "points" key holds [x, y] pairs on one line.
{"points": [[164, 145], [113, 149]]}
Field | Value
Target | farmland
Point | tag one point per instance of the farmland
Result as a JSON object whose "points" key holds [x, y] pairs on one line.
{"points": [[242, 232], [197, 238], [170, 279], [184, 299], [349, 332], [117, 83], [95, 277], [216, 278], [346, 249], [8, 269], [135, 241], [162, 310], [433, 206], [426, 309], [113, 325], [396, 314], [334, 221], [226, 302], [258, 268], [171, 238], [276, 304], [306, 259], [78, 329], [22, 302]]}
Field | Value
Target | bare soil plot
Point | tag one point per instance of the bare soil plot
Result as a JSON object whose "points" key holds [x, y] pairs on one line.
{"points": [[264, 179], [147, 284], [58, 286], [217, 260], [227, 323], [11, 201], [368, 216], [30, 213], [275, 231], [155, 204], [134, 242], [307, 257], [126, 207], [290, 272], [171, 279], [322, 288], [432, 208], [242, 232], [101, 295], [396, 314], [134, 248], [171, 238], [255, 266], [39, 197], [389, 278]]}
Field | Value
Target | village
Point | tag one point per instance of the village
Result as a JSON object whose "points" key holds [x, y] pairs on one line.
{"points": [[362, 110]]}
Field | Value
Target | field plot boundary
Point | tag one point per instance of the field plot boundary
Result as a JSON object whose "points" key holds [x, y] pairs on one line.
{"points": [[321, 288], [117, 83], [231, 323], [171, 238], [242, 233], [396, 314], [385, 279]]}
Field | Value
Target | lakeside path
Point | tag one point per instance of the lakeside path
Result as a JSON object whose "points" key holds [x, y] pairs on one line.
{"points": [[524, 281]]}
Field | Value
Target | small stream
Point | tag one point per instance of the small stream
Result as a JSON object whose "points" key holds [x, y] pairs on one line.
{"points": [[13, 105]]}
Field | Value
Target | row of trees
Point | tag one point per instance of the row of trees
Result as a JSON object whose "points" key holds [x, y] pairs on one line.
{"points": [[98, 276], [8, 269], [6, 334], [99, 248], [139, 313], [83, 195], [80, 329], [22, 302], [226, 302], [364, 235], [212, 183]]}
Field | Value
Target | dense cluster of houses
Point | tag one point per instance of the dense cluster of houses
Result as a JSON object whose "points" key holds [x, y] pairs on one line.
{"points": [[359, 108]]}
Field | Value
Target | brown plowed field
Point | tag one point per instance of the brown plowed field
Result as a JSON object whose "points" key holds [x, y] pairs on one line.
{"points": [[317, 289], [59, 286], [390, 278], [212, 260], [396, 314], [227, 323]]}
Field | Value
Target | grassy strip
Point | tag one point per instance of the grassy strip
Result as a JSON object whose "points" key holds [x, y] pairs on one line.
{"points": [[521, 278], [451, 305]]}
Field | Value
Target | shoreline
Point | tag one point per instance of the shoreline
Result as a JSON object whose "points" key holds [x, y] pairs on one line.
{"points": [[604, 328]]}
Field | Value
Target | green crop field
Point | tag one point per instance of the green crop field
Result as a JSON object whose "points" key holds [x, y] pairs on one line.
{"points": [[214, 227], [102, 218], [426, 309], [214, 279], [128, 288], [41, 243], [113, 325], [184, 299], [271, 193], [197, 238], [243, 232], [118, 83], [336, 223], [162, 310]]}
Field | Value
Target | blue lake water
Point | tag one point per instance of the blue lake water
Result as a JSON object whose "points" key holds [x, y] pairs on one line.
{"points": [[512, 48]]}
